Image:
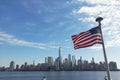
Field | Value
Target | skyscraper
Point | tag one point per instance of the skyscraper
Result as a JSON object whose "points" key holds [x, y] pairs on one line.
{"points": [[33, 62], [69, 61], [46, 60], [73, 61], [92, 60], [50, 61], [12, 65], [69, 58], [60, 58]]}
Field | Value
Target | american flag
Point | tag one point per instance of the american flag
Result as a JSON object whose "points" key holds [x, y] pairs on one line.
{"points": [[87, 38]]}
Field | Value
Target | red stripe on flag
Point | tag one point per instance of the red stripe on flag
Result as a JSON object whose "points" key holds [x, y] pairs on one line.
{"points": [[96, 36], [86, 39]]}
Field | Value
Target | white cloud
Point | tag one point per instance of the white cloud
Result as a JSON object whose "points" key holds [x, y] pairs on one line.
{"points": [[92, 19], [102, 2], [93, 10], [6, 38], [109, 10]]}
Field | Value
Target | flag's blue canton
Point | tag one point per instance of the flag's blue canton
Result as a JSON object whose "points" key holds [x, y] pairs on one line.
{"points": [[95, 30]]}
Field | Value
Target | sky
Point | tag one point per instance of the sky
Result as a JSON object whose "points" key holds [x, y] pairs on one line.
{"points": [[35, 29]]}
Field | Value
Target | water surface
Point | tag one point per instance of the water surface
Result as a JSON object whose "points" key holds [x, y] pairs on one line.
{"points": [[60, 75]]}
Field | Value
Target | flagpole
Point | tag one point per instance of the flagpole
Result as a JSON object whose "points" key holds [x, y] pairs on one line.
{"points": [[99, 19]]}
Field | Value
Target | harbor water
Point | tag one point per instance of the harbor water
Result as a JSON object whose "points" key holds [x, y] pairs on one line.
{"points": [[59, 75]]}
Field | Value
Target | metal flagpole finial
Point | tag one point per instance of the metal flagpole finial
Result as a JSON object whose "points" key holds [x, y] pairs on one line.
{"points": [[99, 19]]}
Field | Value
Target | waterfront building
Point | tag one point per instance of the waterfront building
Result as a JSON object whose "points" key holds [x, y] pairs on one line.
{"points": [[56, 64], [33, 62], [60, 57], [50, 61], [17, 67], [92, 64], [65, 64], [46, 60], [38, 67], [85, 65], [25, 65], [102, 66], [69, 58], [92, 60], [69, 61], [113, 65], [73, 61], [80, 64], [44, 67], [12, 66]]}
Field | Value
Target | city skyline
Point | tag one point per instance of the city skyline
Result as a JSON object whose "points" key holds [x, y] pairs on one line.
{"points": [[60, 63], [31, 30], [61, 58], [67, 64]]}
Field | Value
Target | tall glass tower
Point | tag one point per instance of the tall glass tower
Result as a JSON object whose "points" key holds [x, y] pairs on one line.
{"points": [[60, 58]]}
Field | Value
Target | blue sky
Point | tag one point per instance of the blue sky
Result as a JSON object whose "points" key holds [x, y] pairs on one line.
{"points": [[35, 29]]}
